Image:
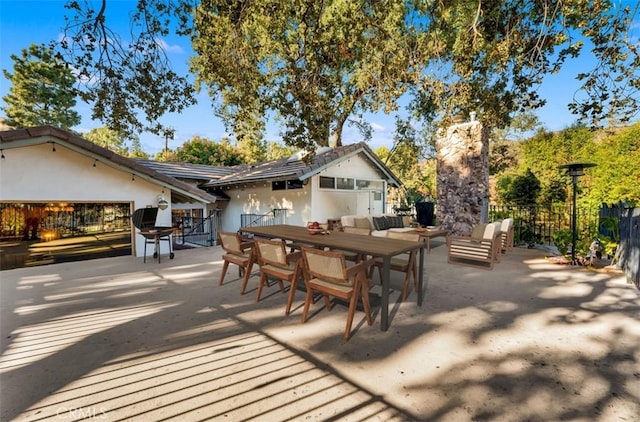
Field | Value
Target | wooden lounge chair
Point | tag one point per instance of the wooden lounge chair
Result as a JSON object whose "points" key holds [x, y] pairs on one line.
{"points": [[326, 273], [507, 234], [480, 251], [277, 264], [238, 251]]}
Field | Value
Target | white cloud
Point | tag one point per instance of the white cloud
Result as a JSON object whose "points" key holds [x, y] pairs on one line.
{"points": [[168, 48]]}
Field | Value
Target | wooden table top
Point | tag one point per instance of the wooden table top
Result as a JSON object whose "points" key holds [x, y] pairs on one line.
{"points": [[370, 245]]}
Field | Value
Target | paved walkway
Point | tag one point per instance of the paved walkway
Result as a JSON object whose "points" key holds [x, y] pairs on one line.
{"points": [[116, 339]]}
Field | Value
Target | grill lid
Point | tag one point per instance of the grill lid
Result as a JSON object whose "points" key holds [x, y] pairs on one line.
{"points": [[145, 218]]}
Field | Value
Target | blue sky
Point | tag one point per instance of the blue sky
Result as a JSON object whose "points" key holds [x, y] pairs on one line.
{"points": [[26, 22]]}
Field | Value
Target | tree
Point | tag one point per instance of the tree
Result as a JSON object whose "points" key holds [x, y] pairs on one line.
{"points": [[315, 65], [491, 56], [42, 90], [204, 151], [115, 142], [523, 189]]}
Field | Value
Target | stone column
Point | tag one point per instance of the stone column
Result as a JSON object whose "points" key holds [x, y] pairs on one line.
{"points": [[462, 177]]}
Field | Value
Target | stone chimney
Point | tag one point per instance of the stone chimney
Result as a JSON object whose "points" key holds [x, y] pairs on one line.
{"points": [[462, 177]]}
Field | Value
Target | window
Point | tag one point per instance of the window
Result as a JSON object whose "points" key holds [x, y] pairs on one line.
{"points": [[287, 184], [294, 184], [362, 184], [327, 182], [344, 183]]}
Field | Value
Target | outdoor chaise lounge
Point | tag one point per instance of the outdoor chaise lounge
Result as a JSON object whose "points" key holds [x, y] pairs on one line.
{"points": [[481, 249]]}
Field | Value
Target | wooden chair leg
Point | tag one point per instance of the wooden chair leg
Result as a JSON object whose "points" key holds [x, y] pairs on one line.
{"points": [[292, 289], [224, 271], [263, 280], [247, 274], [352, 311], [307, 303], [364, 292], [327, 302]]}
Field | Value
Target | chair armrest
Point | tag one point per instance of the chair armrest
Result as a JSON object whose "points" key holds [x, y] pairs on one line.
{"points": [[361, 266], [246, 245]]}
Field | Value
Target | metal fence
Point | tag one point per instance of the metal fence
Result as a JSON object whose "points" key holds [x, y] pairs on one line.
{"points": [[202, 231], [534, 224], [275, 216]]}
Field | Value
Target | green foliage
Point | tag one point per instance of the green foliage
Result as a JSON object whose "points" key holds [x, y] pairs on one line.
{"points": [[115, 142], [562, 239], [276, 150], [108, 139], [523, 189], [612, 225], [42, 90], [318, 66], [128, 80], [204, 151], [315, 64]]}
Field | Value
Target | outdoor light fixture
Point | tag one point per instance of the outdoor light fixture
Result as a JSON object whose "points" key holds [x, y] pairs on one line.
{"points": [[163, 204], [575, 170]]}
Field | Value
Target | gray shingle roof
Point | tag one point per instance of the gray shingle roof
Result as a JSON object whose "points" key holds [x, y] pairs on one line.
{"points": [[296, 168], [181, 191]]}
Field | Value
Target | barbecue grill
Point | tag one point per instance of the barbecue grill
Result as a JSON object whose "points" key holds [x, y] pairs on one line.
{"points": [[145, 219]]}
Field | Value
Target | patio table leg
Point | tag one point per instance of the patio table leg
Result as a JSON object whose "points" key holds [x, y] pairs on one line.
{"points": [[420, 277], [384, 306]]}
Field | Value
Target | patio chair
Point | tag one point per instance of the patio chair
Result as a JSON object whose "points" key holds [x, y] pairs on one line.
{"points": [[480, 250], [405, 263], [326, 273], [507, 230], [277, 264], [353, 256], [238, 251]]}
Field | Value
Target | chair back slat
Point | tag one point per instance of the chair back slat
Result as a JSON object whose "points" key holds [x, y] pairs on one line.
{"points": [[326, 265], [272, 251], [230, 242]]}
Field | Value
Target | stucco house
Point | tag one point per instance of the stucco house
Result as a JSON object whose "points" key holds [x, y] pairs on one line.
{"points": [[79, 187]]}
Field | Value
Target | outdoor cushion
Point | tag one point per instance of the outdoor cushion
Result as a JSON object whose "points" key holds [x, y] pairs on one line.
{"points": [[380, 223], [362, 223], [395, 222], [478, 231]]}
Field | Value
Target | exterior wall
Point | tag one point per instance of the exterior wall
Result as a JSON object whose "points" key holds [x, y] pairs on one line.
{"points": [[39, 174], [260, 199], [463, 177], [303, 205]]}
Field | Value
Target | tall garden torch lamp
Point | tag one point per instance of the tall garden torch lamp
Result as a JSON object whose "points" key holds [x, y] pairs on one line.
{"points": [[575, 170]]}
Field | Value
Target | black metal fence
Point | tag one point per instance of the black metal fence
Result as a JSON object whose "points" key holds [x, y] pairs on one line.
{"points": [[275, 216], [202, 231], [535, 224]]}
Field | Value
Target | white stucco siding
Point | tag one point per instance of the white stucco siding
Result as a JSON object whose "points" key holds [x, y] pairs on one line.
{"points": [[39, 174], [261, 200], [330, 204], [354, 167]]}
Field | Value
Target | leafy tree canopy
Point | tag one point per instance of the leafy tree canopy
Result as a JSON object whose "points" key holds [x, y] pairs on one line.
{"points": [[111, 140], [42, 90], [320, 65], [204, 151]]}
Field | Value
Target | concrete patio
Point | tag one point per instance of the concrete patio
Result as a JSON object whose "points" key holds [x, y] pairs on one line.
{"points": [[115, 339]]}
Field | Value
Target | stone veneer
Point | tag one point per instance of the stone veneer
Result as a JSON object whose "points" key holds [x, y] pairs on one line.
{"points": [[462, 177]]}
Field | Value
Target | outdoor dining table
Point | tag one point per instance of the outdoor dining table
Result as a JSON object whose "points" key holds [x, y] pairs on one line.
{"points": [[380, 247]]}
